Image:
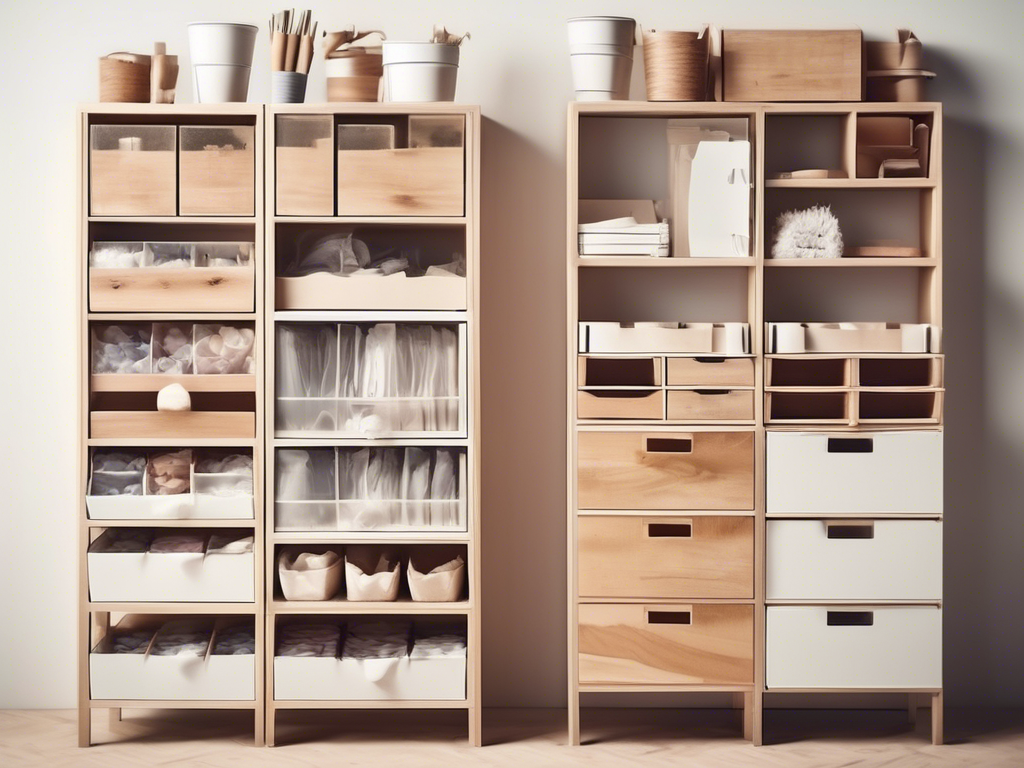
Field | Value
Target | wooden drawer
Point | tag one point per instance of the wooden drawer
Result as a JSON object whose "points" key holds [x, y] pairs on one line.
{"points": [[666, 644], [854, 560], [620, 404], [619, 371], [304, 165], [710, 404], [133, 170], [155, 289], [217, 170], [427, 181], [710, 371], [666, 470], [841, 473], [649, 557], [172, 424], [853, 647]]}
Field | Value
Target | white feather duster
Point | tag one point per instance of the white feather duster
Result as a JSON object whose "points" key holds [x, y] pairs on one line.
{"points": [[809, 234]]}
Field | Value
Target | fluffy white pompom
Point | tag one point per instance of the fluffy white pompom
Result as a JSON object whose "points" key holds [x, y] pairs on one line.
{"points": [[809, 234], [173, 397]]}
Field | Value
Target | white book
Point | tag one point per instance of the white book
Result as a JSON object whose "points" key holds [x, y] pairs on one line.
{"points": [[639, 249], [611, 238]]}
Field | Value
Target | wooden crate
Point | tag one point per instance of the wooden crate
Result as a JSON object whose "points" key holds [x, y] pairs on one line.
{"points": [[156, 289], [133, 170], [427, 181], [216, 170]]}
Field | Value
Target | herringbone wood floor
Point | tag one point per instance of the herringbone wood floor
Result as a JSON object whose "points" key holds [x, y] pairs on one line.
{"points": [[515, 737]]}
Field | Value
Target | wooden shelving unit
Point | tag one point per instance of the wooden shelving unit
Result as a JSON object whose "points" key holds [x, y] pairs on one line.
{"points": [[630, 637], [97, 617], [282, 229]]}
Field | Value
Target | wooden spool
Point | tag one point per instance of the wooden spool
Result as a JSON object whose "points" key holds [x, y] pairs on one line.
{"points": [[676, 66], [123, 81]]}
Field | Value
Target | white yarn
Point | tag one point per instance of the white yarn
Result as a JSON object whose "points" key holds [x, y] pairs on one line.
{"points": [[173, 397], [809, 234]]}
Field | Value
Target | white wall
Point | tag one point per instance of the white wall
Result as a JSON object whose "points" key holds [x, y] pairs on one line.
{"points": [[516, 67]]}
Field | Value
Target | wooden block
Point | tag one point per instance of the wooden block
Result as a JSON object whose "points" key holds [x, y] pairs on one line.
{"points": [[659, 557], [710, 371], [158, 289], [666, 644], [620, 404], [710, 405], [792, 65], [427, 181], [186, 424], [666, 470]]}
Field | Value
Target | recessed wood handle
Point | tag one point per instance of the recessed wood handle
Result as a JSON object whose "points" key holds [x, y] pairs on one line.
{"points": [[676, 530], [850, 529], [670, 617], [850, 618], [713, 391], [709, 359], [668, 444], [851, 445]]}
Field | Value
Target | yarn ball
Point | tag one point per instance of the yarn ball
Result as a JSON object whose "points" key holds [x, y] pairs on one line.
{"points": [[173, 397], [808, 234]]}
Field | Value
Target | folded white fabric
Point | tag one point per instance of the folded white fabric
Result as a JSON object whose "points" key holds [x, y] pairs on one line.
{"points": [[132, 642], [230, 544], [239, 640], [181, 638], [317, 640], [376, 640], [179, 542]]}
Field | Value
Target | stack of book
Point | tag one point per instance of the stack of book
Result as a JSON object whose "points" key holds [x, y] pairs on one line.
{"points": [[624, 237]]}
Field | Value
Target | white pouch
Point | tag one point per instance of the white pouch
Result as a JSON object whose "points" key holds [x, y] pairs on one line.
{"points": [[309, 575], [372, 573], [433, 582]]}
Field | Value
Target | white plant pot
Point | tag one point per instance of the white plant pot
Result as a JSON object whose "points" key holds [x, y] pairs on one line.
{"points": [[220, 83], [598, 96], [606, 50], [287, 87], [602, 30], [211, 42], [418, 72], [601, 72]]}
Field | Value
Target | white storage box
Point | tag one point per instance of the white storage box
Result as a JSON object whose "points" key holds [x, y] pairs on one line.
{"points": [[854, 647], [820, 473], [169, 577], [124, 676], [321, 679], [665, 338], [797, 338], [309, 573], [854, 560]]}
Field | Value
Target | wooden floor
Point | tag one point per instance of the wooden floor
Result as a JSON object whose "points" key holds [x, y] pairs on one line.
{"points": [[516, 737]]}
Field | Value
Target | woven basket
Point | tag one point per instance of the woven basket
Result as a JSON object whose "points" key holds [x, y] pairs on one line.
{"points": [[676, 65]]}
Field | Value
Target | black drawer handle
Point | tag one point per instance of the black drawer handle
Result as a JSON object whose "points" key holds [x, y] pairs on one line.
{"points": [[713, 391], [850, 618], [851, 445], [669, 617], [669, 445], [709, 359], [850, 530], [670, 530]]}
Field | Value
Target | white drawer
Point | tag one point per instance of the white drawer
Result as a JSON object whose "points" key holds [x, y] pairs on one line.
{"points": [[854, 647], [854, 560], [840, 473]]}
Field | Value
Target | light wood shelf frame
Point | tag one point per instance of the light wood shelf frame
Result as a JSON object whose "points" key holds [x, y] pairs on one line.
{"points": [[96, 617], [470, 609], [929, 267]]}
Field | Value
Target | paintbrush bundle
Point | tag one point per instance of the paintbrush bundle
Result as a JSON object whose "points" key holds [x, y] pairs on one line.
{"points": [[291, 41]]}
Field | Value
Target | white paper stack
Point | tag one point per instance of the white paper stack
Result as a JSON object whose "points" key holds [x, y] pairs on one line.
{"points": [[621, 228]]}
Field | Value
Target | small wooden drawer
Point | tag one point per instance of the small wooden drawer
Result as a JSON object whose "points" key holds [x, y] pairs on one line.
{"points": [[710, 404], [304, 165], [652, 557], [133, 170], [666, 470], [217, 170], [839, 473], [172, 425], [426, 177], [666, 644], [620, 404], [327, 291], [710, 372], [853, 647], [854, 560], [619, 371]]}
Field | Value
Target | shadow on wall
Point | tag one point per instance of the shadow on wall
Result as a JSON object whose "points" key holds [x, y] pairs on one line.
{"points": [[523, 419], [984, 475]]}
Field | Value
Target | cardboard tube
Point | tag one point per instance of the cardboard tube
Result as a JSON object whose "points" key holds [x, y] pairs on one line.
{"points": [[277, 51], [291, 53], [305, 54]]}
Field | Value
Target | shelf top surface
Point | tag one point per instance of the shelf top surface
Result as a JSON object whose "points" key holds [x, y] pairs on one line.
{"points": [[157, 110], [374, 107], [698, 108]]}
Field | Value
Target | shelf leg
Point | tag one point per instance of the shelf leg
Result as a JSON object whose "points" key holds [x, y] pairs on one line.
{"points": [[937, 718], [574, 718], [259, 721], [912, 708], [748, 716], [85, 726], [757, 718], [271, 721], [475, 726]]}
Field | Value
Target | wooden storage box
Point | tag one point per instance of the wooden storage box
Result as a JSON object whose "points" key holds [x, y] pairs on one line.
{"points": [[710, 372], [169, 577], [127, 676], [217, 170], [839, 473], [619, 371], [854, 560], [620, 404], [650, 644], [395, 292], [133, 170], [710, 405], [797, 338], [426, 178], [853, 647], [666, 470], [662, 338], [304, 168], [659, 557], [172, 425], [792, 65]]}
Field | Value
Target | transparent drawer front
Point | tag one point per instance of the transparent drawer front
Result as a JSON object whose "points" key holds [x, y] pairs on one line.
{"points": [[217, 170], [132, 170], [304, 165], [364, 489], [369, 380], [173, 348]]}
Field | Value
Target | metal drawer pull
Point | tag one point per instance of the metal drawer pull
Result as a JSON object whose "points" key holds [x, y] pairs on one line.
{"points": [[669, 617], [669, 445], [851, 445], [670, 530], [850, 618]]}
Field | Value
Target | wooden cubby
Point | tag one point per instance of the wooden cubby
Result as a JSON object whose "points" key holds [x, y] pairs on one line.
{"points": [[621, 434]]}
